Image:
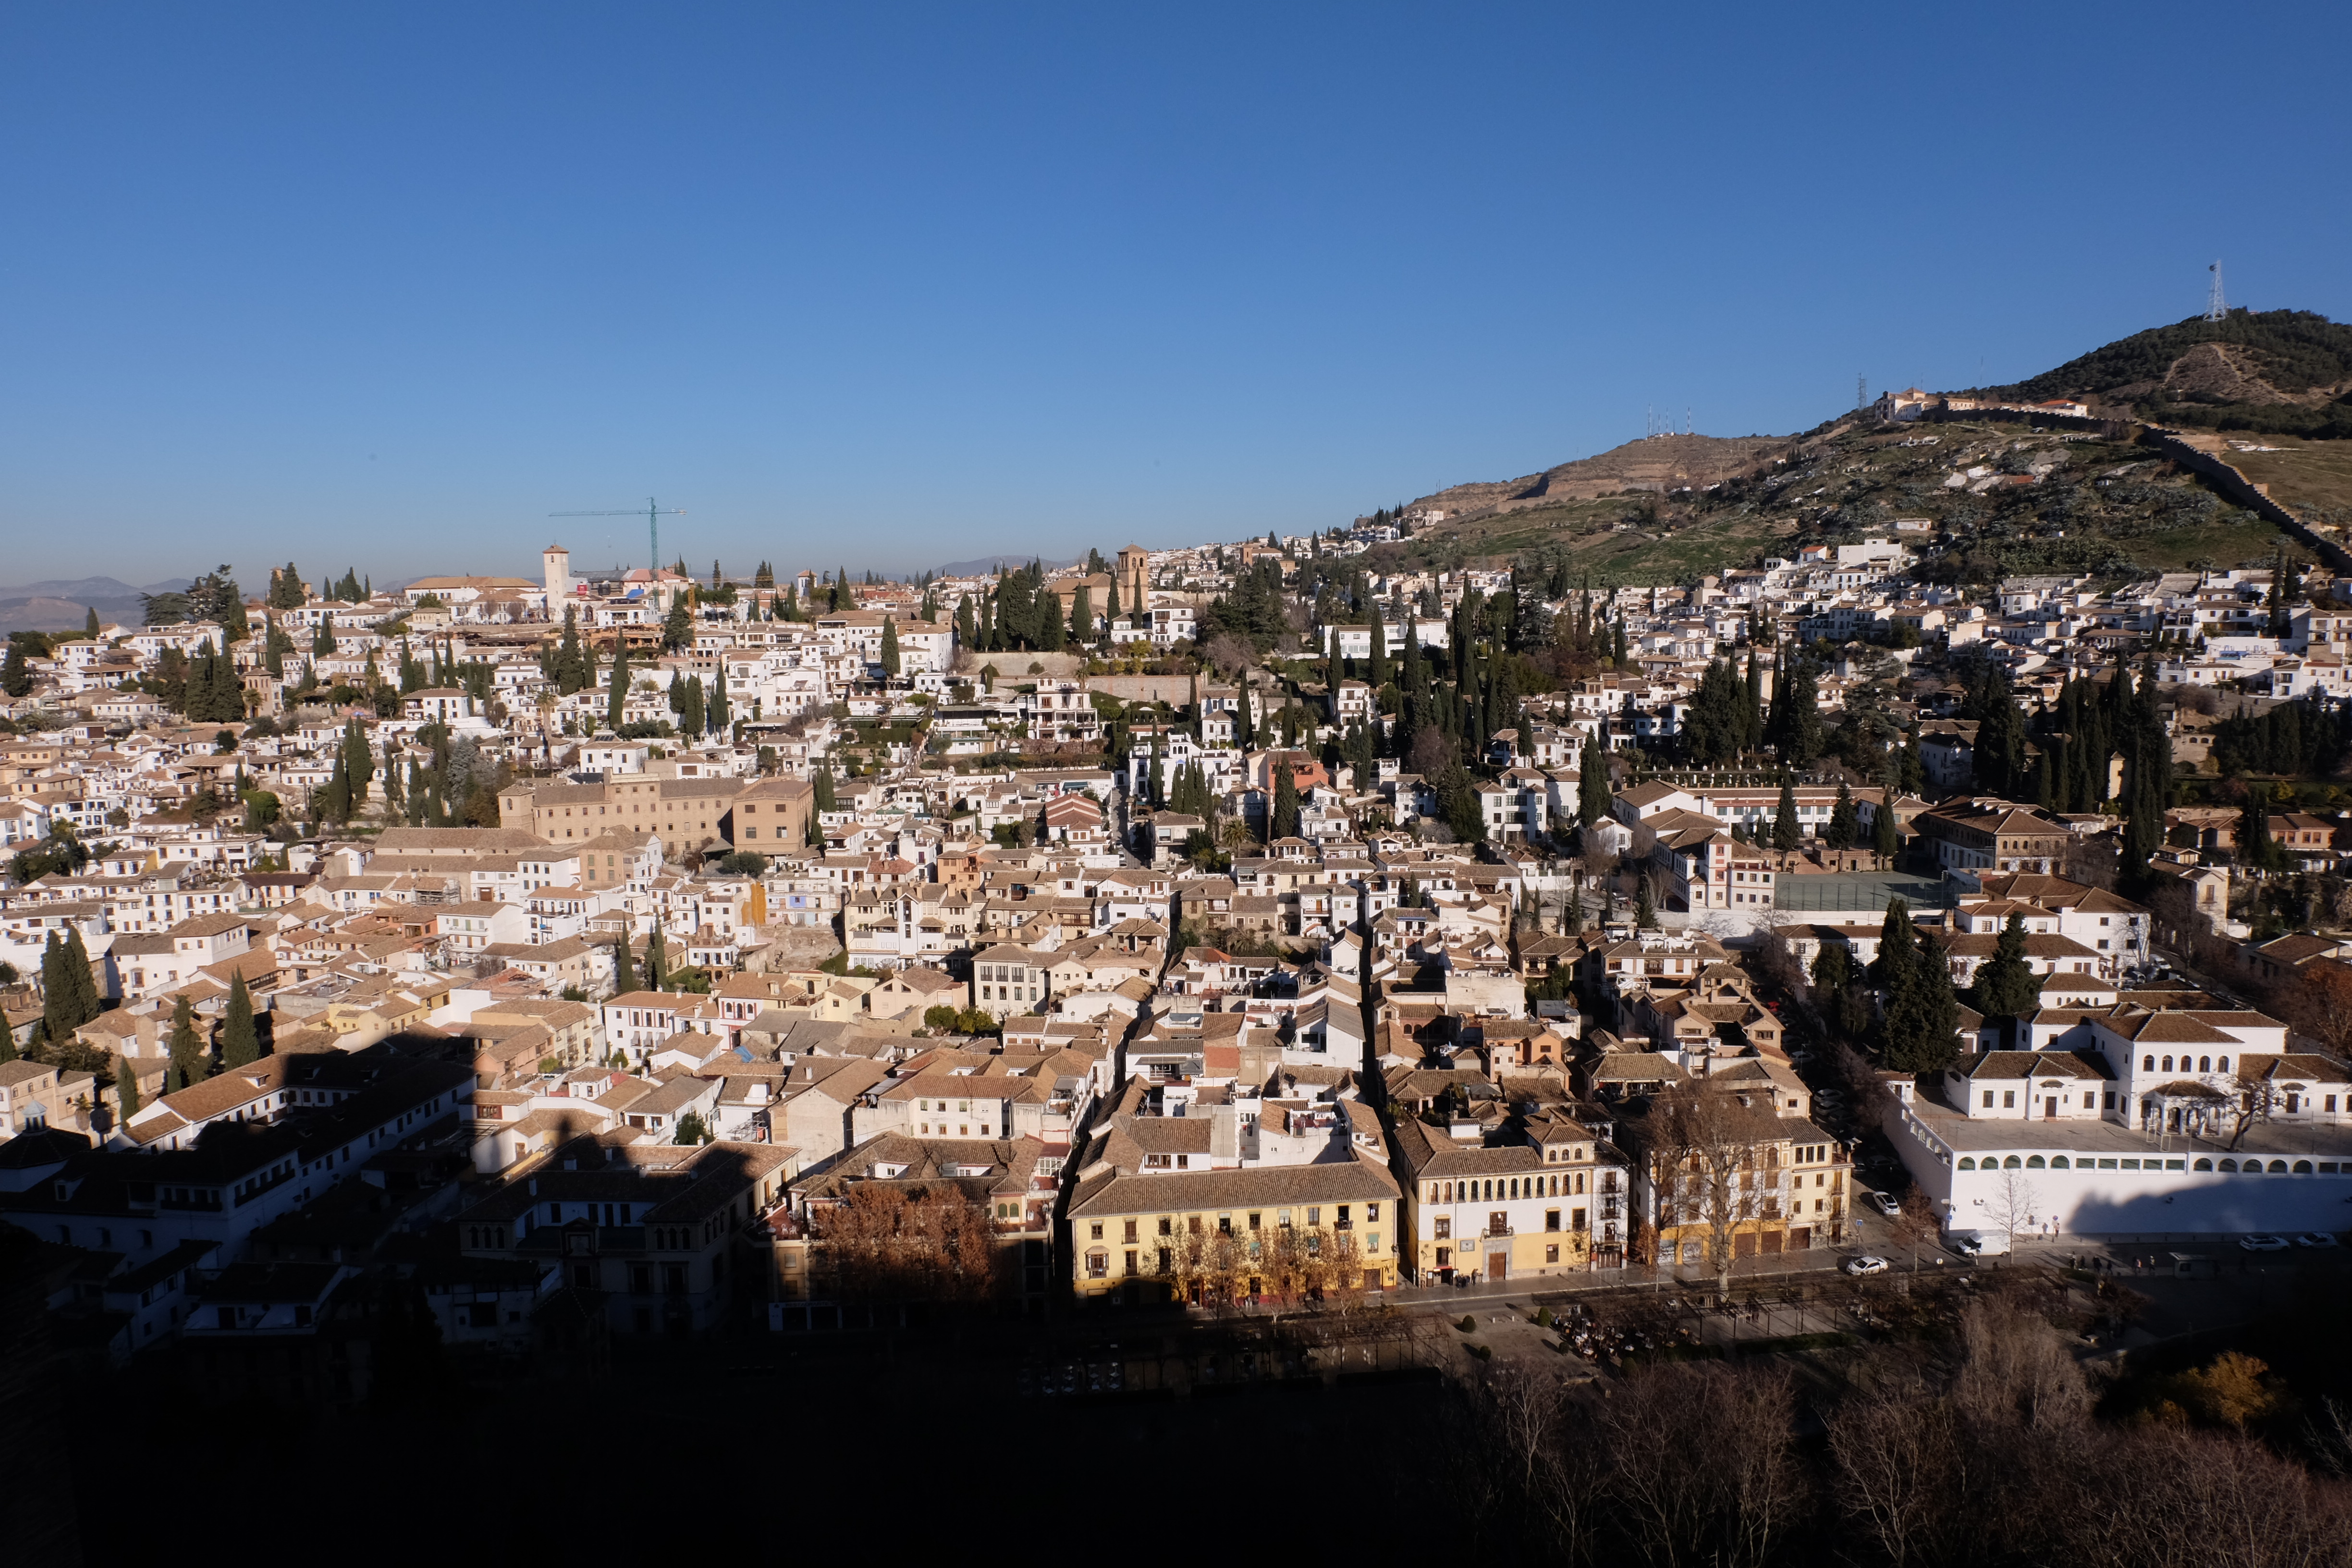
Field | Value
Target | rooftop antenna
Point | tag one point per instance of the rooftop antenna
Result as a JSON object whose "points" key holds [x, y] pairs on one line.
{"points": [[652, 513], [2215, 309]]}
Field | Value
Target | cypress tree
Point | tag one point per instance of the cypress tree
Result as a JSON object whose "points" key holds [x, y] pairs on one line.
{"points": [[617, 700], [657, 958], [1645, 913], [240, 1044], [88, 1003], [188, 1064], [1786, 833], [1844, 820], [1884, 839], [624, 972], [1376, 668], [126, 1089], [891, 644], [1592, 797], [1285, 821], [1898, 950]]}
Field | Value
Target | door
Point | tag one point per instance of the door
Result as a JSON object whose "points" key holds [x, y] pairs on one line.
{"points": [[1498, 1265], [2050, 1108]]}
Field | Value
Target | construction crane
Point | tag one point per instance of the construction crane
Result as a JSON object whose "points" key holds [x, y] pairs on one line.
{"points": [[650, 512]]}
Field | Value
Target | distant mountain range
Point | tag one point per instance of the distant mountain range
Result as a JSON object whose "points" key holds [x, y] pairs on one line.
{"points": [[991, 563], [62, 605]]}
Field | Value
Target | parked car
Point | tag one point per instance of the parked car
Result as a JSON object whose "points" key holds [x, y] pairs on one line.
{"points": [[1864, 1265], [2315, 1239], [1980, 1243], [1884, 1202], [2264, 1244]]}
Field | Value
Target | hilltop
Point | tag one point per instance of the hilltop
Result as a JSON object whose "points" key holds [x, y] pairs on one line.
{"points": [[2287, 371], [2001, 497]]}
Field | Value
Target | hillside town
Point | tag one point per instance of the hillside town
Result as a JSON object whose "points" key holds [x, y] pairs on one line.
{"points": [[1238, 926]]}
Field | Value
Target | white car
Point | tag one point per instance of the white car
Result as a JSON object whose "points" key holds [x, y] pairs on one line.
{"points": [[1864, 1265], [1884, 1203], [2264, 1244], [2315, 1239]]}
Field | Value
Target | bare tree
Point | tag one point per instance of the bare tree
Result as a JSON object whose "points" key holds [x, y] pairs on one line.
{"points": [[1918, 1222], [2014, 1204], [1707, 1168], [2017, 1369], [1896, 1451]]}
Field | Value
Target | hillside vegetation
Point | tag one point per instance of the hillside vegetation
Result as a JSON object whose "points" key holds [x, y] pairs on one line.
{"points": [[2288, 372], [2024, 502]]}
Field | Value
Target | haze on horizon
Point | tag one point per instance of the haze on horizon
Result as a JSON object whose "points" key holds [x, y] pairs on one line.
{"points": [[890, 288]]}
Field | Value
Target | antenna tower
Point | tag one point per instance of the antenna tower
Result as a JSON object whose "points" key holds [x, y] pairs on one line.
{"points": [[2215, 309], [1861, 391]]}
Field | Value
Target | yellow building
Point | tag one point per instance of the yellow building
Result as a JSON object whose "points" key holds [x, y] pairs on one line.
{"points": [[1203, 1234]]}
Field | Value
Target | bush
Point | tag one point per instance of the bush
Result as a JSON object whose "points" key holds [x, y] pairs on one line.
{"points": [[943, 1019], [1468, 1325]]}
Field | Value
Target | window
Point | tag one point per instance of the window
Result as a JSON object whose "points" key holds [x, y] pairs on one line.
{"points": [[1129, 1236], [1442, 1229], [1551, 1219], [2009, 1099], [1094, 1231], [1988, 1099]]}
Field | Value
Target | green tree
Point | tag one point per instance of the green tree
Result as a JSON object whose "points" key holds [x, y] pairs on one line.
{"points": [[1592, 797], [126, 1089], [657, 961], [1884, 839], [1845, 821], [2256, 849], [190, 1063], [15, 679], [1923, 1019], [616, 699], [678, 626], [891, 644], [240, 1043], [1285, 821], [690, 1128], [624, 972], [1898, 949], [2005, 985], [1786, 833], [1645, 913]]}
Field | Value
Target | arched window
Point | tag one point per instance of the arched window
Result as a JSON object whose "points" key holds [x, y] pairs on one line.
{"points": [[2303, 1167], [2012, 1164], [2278, 1167], [1966, 1163], [2202, 1164], [2230, 1165], [2168, 1064], [2204, 1064], [2220, 1064], [2148, 1064], [2033, 1162], [2057, 1162]]}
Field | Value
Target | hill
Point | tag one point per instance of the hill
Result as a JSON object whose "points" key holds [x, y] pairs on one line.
{"points": [[1992, 501], [60, 604], [2285, 372]]}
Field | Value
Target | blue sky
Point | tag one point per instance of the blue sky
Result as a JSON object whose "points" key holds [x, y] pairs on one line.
{"points": [[888, 286]]}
